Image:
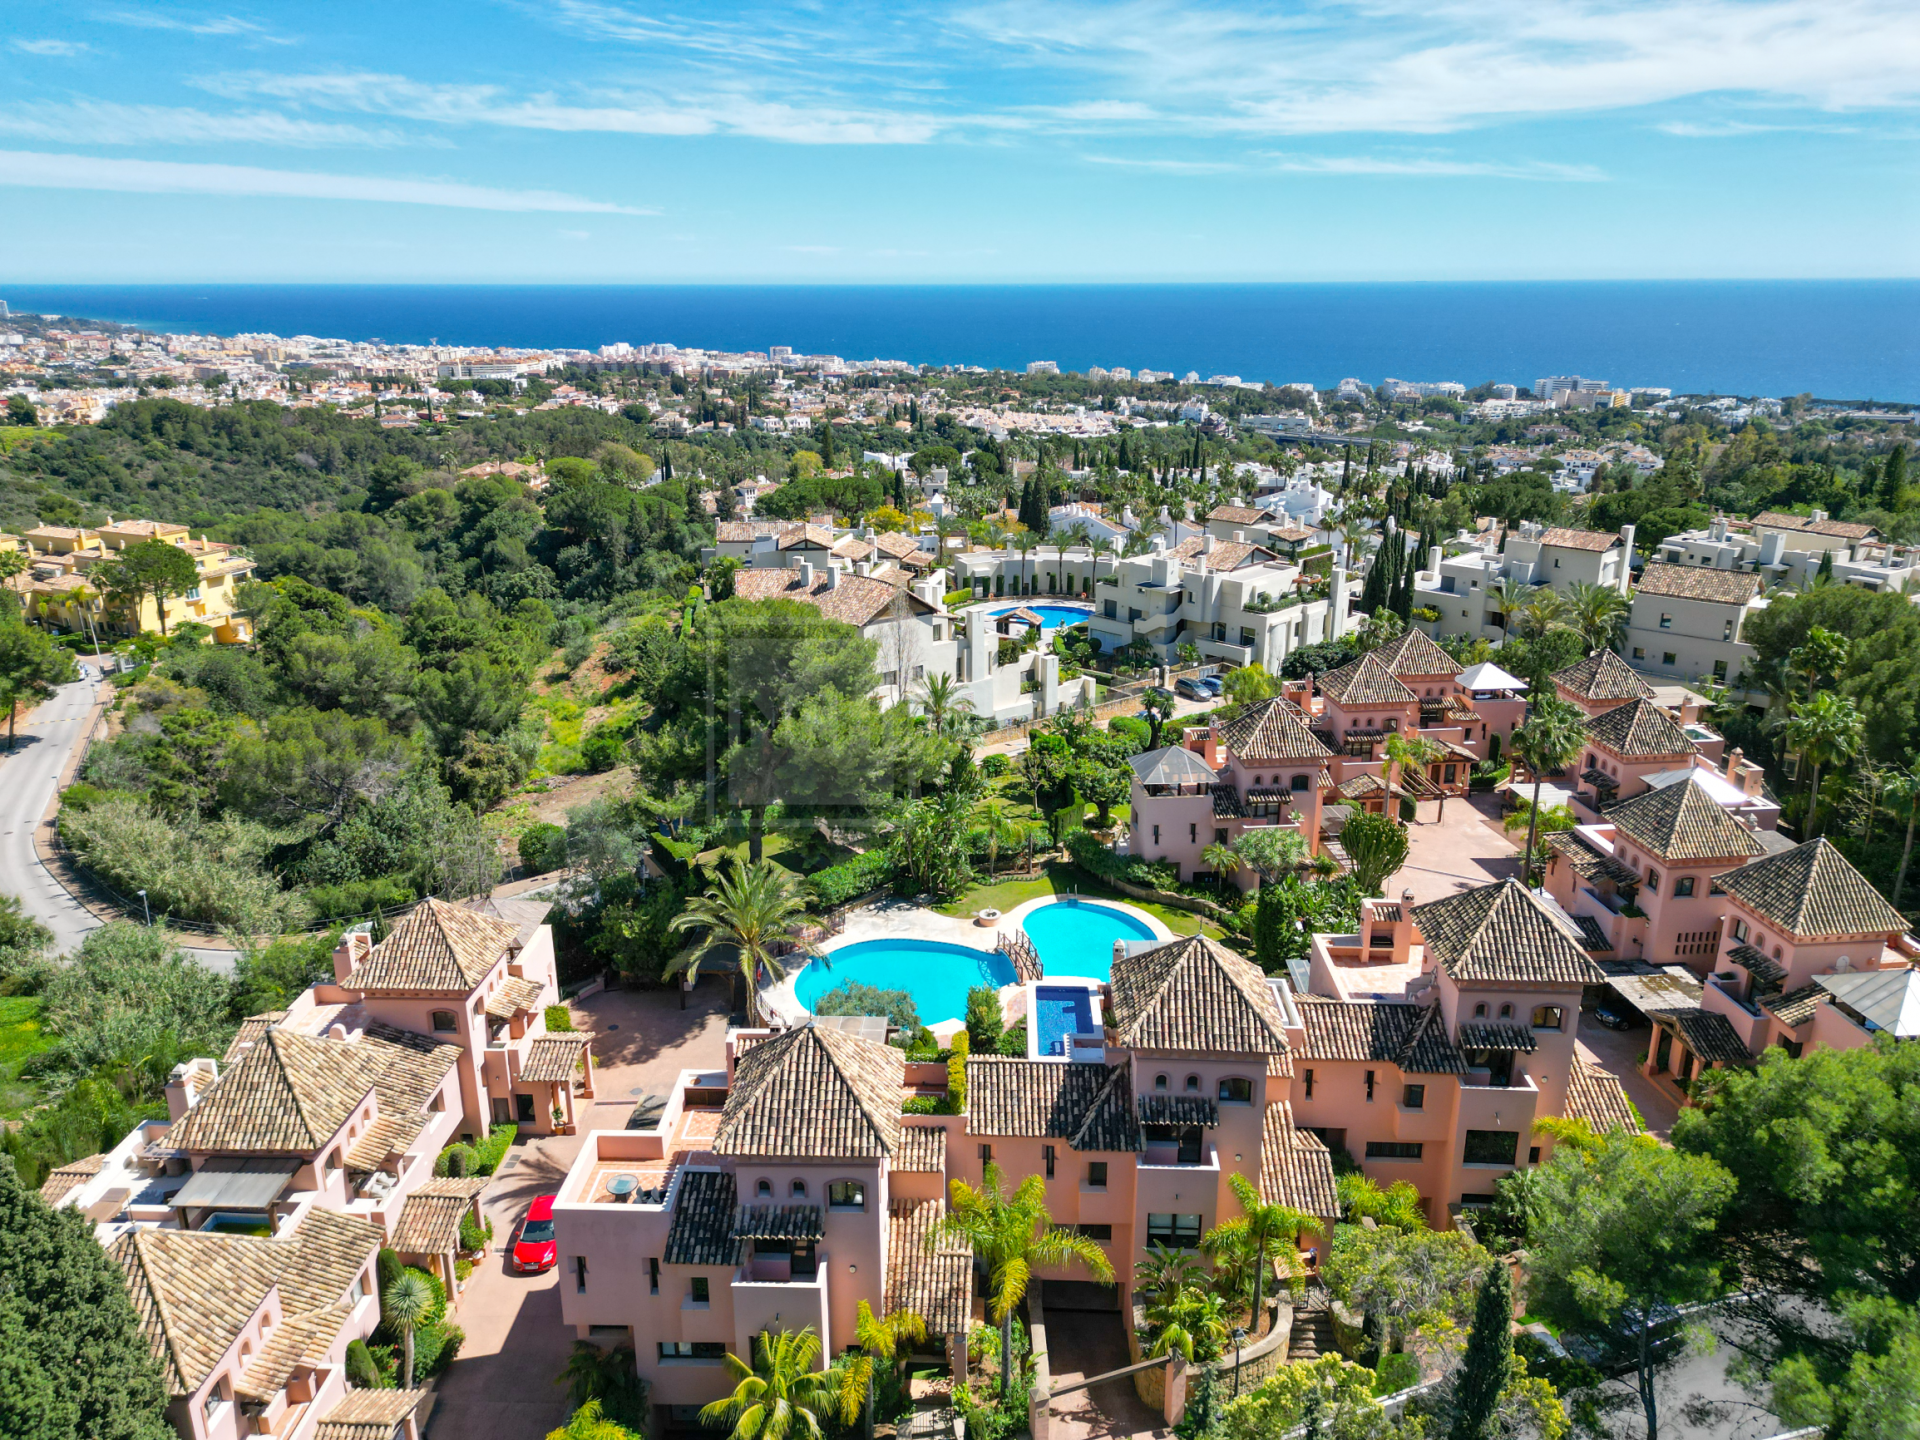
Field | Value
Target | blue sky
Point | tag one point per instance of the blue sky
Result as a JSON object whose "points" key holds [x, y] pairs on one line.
{"points": [[574, 140]]}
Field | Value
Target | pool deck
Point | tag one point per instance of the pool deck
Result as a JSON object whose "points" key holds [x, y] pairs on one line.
{"points": [[904, 920]]}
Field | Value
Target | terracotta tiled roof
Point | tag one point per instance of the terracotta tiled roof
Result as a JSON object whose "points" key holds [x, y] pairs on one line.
{"points": [[1296, 1168], [291, 1093], [1812, 890], [429, 1222], [1599, 1099], [513, 995], [1594, 540], [1496, 1035], [893, 543], [1637, 730], [251, 1029], [1365, 681], [1167, 1109], [1412, 653], [856, 599], [814, 1094], [299, 1343], [1796, 1007], [553, 1059], [740, 532], [802, 537], [1683, 822], [1271, 732], [1193, 994], [1237, 515], [439, 948], [1224, 554], [1588, 862], [1414, 1037], [194, 1292], [933, 1278], [1800, 524], [1699, 582], [1709, 1035], [1087, 1105], [1503, 933], [1758, 964], [65, 1179], [1362, 787], [1603, 675], [923, 1149], [779, 1222], [368, 1414], [701, 1232]]}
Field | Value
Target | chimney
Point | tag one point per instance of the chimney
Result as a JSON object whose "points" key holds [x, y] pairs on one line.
{"points": [[806, 575], [833, 577], [188, 1082], [1239, 537], [1206, 543], [352, 951], [1626, 560]]}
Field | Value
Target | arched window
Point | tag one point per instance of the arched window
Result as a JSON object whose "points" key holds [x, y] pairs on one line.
{"points": [[1236, 1091], [445, 1022], [332, 1162], [1480, 1011], [765, 1187], [1506, 1012], [1193, 1084], [846, 1195], [799, 1187], [1160, 1082]]}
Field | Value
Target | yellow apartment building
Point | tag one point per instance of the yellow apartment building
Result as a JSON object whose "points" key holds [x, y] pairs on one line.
{"points": [[60, 588]]}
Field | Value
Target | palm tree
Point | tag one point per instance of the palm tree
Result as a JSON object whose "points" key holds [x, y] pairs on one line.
{"points": [[1026, 542], [1098, 546], [406, 1302], [1543, 610], [1192, 1316], [1598, 613], [881, 1338], [1821, 653], [781, 1396], [1264, 1229], [1012, 1235], [1399, 1204], [1165, 1273], [1827, 730], [1549, 741], [747, 910], [1903, 790], [588, 1423], [1221, 859], [941, 700], [1512, 595], [1405, 749], [601, 1377]]}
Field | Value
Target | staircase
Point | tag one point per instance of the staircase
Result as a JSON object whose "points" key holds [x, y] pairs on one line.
{"points": [[1312, 1335], [1332, 846], [928, 1423]]}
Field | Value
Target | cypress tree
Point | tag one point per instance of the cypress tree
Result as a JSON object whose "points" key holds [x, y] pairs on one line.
{"points": [[74, 1364], [1825, 571], [1893, 476], [1489, 1358]]}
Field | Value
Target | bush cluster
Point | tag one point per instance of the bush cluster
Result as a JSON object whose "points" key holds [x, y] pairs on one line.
{"points": [[861, 875]]}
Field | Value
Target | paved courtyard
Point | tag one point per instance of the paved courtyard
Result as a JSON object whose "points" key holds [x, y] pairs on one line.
{"points": [[1455, 853]]}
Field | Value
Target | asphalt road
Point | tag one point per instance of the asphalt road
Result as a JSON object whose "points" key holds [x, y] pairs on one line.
{"points": [[28, 779]]}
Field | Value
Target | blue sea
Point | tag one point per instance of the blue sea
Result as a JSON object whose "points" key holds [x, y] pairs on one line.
{"points": [[1843, 340]]}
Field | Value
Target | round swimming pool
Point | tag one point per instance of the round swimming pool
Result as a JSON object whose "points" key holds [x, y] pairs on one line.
{"points": [[935, 974], [1052, 617], [1075, 937]]}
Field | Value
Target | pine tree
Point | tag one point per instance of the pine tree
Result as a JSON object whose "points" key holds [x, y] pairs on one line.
{"points": [[1893, 476], [1489, 1358], [74, 1364]]}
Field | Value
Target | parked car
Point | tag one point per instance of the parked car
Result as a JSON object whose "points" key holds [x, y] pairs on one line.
{"points": [[533, 1249], [1213, 684], [1612, 1017], [1193, 689]]}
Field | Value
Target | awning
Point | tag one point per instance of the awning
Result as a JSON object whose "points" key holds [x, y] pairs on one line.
{"points": [[236, 1184], [1486, 1035]]}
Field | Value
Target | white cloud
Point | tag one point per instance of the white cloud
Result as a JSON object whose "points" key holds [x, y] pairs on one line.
{"points": [[50, 47], [165, 177], [1429, 165], [205, 25], [1725, 129], [102, 122], [1168, 167]]}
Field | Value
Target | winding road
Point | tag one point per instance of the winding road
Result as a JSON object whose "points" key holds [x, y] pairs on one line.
{"points": [[29, 776]]}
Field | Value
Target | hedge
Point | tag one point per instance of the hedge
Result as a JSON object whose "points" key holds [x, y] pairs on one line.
{"points": [[559, 1019], [359, 897], [838, 884]]}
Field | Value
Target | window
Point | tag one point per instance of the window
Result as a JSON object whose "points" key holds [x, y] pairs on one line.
{"points": [[693, 1349], [1299, 782], [1046, 1152], [332, 1162], [359, 1290], [1480, 1011], [1193, 834], [1306, 1078], [799, 1187], [1666, 621], [1533, 1155], [1236, 1091], [1720, 671], [1394, 1149], [1096, 1174], [1667, 657], [765, 1187], [1156, 834], [1095, 1232], [1246, 636], [847, 1195], [215, 1399], [697, 1290], [579, 1274], [1726, 634], [1713, 887], [1740, 931], [1653, 880], [1414, 1097], [1506, 1011], [1682, 887], [1369, 1084], [1546, 1017], [1193, 1084], [986, 1154], [1492, 1147], [1160, 1082], [1639, 652], [653, 1275], [1180, 1232], [445, 1022]]}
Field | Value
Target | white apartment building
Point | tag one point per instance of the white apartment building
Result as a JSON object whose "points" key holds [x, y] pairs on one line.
{"points": [[1464, 588], [1791, 554], [1686, 622]]}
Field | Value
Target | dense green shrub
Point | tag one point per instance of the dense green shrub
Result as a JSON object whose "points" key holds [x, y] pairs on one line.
{"points": [[854, 998], [985, 1024], [475, 1236], [358, 898], [191, 869], [387, 1266], [861, 875], [995, 766], [1097, 860], [488, 1153], [455, 1161], [559, 1019], [543, 848], [360, 1367]]}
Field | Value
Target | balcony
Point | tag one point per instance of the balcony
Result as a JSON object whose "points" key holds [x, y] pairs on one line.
{"points": [[1480, 1077]]}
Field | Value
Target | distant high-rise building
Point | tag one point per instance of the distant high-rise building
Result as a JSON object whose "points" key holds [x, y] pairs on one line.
{"points": [[1043, 367], [1552, 385], [779, 353], [1505, 392]]}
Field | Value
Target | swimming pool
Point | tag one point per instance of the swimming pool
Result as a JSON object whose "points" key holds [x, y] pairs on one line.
{"points": [[1060, 1012], [1052, 617], [935, 974], [1075, 937]]}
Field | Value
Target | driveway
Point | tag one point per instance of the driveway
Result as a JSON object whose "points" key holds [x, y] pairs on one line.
{"points": [[1091, 1342], [1465, 849]]}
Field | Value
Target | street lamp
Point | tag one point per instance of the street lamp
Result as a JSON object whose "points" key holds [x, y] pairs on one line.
{"points": [[1239, 1334], [146, 907]]}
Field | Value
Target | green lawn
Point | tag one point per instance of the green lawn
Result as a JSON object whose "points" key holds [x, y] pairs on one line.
{"points": [[1061, 878], [20, 1040]]}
